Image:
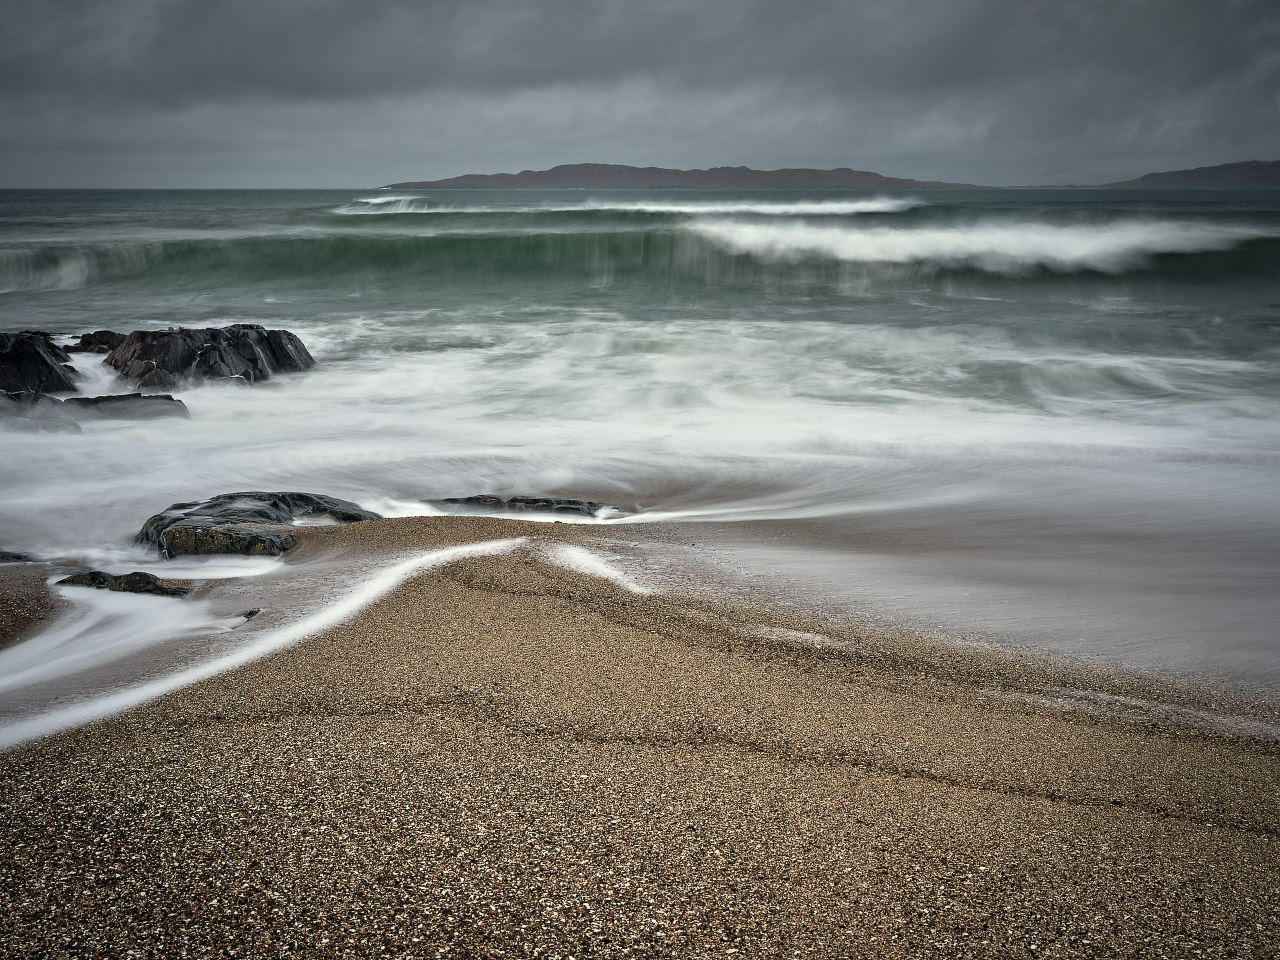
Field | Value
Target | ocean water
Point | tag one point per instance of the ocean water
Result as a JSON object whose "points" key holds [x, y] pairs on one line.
{"points": [[1051, 417]]}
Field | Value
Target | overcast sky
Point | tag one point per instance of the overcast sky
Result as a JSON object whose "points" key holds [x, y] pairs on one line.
{"points": [[174, 93]]}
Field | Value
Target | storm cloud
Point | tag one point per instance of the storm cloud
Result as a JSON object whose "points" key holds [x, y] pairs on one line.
{"points": [[329, 93]]}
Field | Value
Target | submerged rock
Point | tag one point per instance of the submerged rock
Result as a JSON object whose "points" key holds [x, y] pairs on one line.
{"points": [[489, 503], [35, 411], [246, 351], [126, 406], [30, 362], [136, 582], [237, 522], [100, 341]]}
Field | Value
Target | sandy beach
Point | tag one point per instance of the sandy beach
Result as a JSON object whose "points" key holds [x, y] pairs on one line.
{"points": [[504, 757]]}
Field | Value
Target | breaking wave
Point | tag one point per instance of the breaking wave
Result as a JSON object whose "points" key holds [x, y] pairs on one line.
{"points": [[994, 247], [735, 251]]}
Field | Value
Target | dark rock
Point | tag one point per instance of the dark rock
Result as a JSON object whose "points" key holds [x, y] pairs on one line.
{"points": [[126, 406], [35, 411], [8, 556], [31, 362], [247, 351], [100, 341], [233, 522], [250, 614], [488, 503], [136, 582]]}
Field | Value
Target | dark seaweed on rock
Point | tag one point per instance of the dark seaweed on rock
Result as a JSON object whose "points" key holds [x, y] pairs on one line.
{"points": [[246, 351], [30, 362], [136, 582], [489, 503], [240, 522]]}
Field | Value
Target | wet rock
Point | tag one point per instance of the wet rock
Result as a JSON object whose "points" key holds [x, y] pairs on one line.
{"points": [[8, 556], [489, 503], [35, 411], [31, 362], [127, 406], [136, 582], [245, 351], [100, 341], [240, 522]]}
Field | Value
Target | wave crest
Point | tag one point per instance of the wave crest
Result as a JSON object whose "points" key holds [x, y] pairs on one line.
{"points": [[1008, 248], [392, 205]]}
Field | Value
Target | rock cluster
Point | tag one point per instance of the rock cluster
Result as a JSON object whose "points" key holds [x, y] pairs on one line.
{"points": [[33, 366], [136, 582], [245, 351], [489, 503], [242, 523], [31, 362]]}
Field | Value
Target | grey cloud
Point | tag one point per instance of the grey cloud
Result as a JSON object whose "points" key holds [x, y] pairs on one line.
{"points": [[985, 90]]}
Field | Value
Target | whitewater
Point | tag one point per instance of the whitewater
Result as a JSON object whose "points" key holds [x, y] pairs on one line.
{"points": [[1046, 418]]}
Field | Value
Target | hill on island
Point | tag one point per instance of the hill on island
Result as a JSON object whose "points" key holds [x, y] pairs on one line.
{"points": [[1249, 175], [615, 176]]}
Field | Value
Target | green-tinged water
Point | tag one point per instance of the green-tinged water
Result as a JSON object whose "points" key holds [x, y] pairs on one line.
{"points": [[1049, 413]]}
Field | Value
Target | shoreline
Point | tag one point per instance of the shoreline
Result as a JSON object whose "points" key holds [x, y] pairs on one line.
{"points": [[505, 753], [26, 603]]}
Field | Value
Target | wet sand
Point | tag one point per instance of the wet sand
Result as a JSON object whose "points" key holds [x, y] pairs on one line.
{"points": [[507, 758], [25, 602]]}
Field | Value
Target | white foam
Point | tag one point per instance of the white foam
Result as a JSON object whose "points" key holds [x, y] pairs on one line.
{"points": [[1095, 701], [593, 565], [130, 559], [382, 206], [998, 247], [377, 586], [101, 626]]}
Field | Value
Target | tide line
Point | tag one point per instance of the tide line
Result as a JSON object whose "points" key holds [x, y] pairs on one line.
{"points": [[376, 587]]}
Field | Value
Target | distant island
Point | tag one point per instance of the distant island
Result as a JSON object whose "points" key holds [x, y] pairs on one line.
{"points": [[1251, 174], [616, 176]]}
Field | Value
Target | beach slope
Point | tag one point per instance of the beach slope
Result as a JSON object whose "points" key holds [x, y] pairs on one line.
{"points": [[506, 757]]}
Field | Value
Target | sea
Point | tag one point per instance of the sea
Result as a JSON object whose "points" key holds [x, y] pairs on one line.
{"points": [[1047, 418]]}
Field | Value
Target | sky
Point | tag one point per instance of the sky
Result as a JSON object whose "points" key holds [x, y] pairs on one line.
{"points": [[334, 93]]}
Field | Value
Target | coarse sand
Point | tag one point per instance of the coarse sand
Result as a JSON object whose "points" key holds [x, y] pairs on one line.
{"points": [[505, 758]]}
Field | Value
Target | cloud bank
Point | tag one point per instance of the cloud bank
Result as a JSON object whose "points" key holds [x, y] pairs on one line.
{"points": [[329, 93]]}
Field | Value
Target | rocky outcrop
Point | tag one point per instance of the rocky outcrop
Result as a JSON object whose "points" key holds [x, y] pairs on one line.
{"points": [[8, 556], [35, 411], [100, 341], [244, 351], [31, 362], [488, 503], [126, 406], [242, 523], [136, 582]]}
